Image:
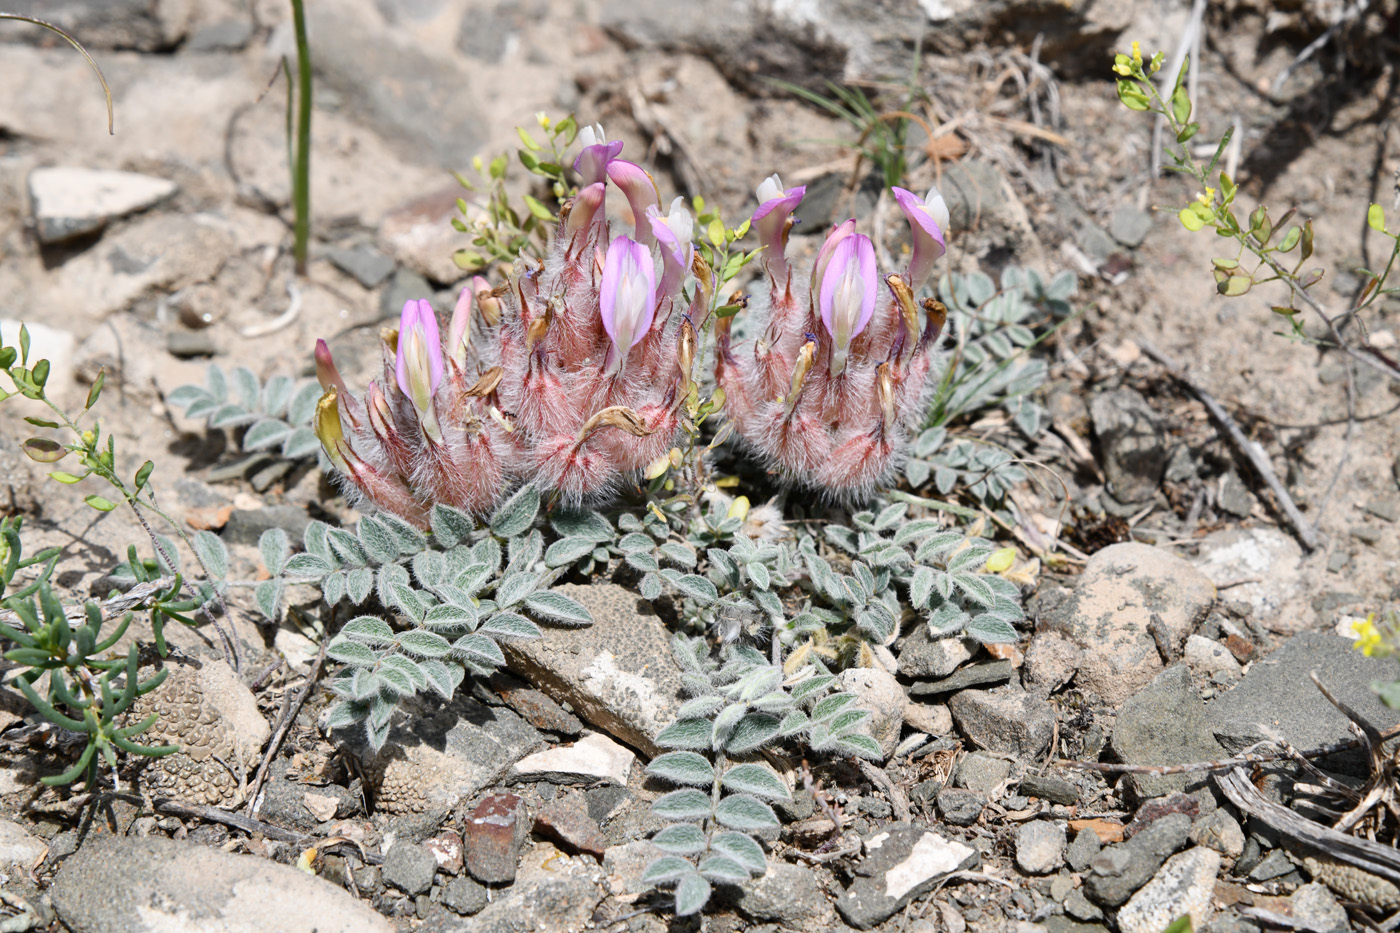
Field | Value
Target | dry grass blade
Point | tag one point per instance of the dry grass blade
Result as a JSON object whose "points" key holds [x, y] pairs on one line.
{"points": [[106, 91]]}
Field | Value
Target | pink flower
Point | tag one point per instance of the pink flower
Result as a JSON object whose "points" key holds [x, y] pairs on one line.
{"points": [[626, 297], [673, 234], [641, 194], [928, 219], [770, 221], [847, 296], [418, 360], [592, 162]]}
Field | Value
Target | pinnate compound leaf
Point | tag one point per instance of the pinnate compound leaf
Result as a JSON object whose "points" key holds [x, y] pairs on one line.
{"points": [[745, 813], [685, 733], [680, 839], [692, 894], [556, 607], [743, 849], [683, 767], [756, 779], [517, 513], [683, 805], [667, 869]]}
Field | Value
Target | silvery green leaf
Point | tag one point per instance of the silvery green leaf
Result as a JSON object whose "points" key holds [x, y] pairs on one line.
{"points": [[682, 805], [273, 547], [668, 868], [828, 707], [409, 667], [692, 894], [410, 540], [793, 723], [699, 707], [695, 587], [275, 396], [450, 526], [886, 555], [641, 560], [509, 625], [217, 384], [943, 584], [723, 870], [269, 432], [975, 588], [877, 621], [187, 395], [929, 441], [442, 678], [754, 730], [302, 408], [524, 551], [346, 548], [759, 574], [268, 595], [368, 630], [346, 714], [890, 516], [514, 588], [247, 387], [229, 416], [969, 558], [678, 554], [921, 587], [742, 848], [333, 588], [680, 839], [746, 813], [759, 780], [429, 568], [487, 551], [864, 520], [917, 472], [450, 617], [472, 579], [390, 576], [650, 587], [377, 733], [302, 442], [600, 556], [481, 648], [770, 603], [915, 530], [990, 630], [212, 552], [724, 724], [517, 513], [685, 733], [395, 680], [683, 767], [201, 407], [846, 721], [574, 523], [358, 583], [944, 479], [858, 745], [408, 601], [306, 565], [567, 550], [424, 644], [760, 681], [627, 522], [635, 542], [556, 607], [775, 702], [946, 619], [843, 537], [867, 579], [380, 544], [167, 554], [346, 651]]}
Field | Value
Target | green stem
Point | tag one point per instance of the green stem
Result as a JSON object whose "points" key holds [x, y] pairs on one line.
{"points": [[301, 176]]}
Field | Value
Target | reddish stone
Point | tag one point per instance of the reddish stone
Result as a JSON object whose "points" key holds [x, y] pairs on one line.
{"points": [[566, 821], [535, 707], [494, 833], [1154, 810], [1242, 649], [446, 847]]}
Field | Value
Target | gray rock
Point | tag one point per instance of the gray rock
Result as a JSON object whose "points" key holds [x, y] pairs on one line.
{"points": [[1119, 870], [464, 896], [438, 754], [981, 773], [987, 673], [876, 689], [1092, 239], [18, 846], [1269, 559], [1019, 724], [1278, 695], [931, 718], [167, 885], [406, 285], [960, 807], [409, 867], [1315, 909], [72, 202], [900, 864], [227, 35], [591, 759], [1051, 661], [975, 192], [1040, 847], [1130, 598], [490, 31], [1165, 724], [785, 894], [1133, 444], [132, 25], [1387, 508], [1210, 660], [1234, 497], [617, 674], [1056, 923], [246, 526], [554, 891], [1130, 226], [1080, 908], [366, 264], [1051, 788], [1220, 831], [1274, 865], [184, 344], [1077, 34], [1183, 886], [1082, 850], [625, 864], [923, 656]]}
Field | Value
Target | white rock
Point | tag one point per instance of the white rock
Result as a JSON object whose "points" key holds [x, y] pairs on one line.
{"points": [[1266, 557], [1207, 658], [928, 717], [593, 758], [69, 202], [298, 650], [18, 846], [1040, 847], [932, 856], [877, 690], [45, 343], [1315, 909], [1183, 885]]}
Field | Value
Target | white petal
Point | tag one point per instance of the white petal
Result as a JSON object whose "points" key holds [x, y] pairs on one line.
{"points": [[937, 208], [770, 188], [591, 135], [680, 221]]}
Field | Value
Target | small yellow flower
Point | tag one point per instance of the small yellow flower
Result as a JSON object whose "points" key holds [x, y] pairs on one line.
{"points": [[1122, 65], [1206, 198], [1001, 560], [1368, 638], [1137, 55], [739, 508]]}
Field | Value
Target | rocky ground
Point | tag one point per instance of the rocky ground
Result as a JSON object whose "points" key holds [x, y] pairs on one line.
{"points": [[1184, 630]]}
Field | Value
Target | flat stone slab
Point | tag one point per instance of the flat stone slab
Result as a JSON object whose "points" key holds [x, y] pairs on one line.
{"points": [[900, 864], [592, 758], [618, 673], [154, 885], [71, 202]]}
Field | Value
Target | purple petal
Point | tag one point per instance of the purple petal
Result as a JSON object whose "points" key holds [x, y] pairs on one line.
{"points": [[586, 205], [928, 244], [838, 233], [854, 254], [676, 254], [592, 162], [418, 314], [627, 292], [640, 190], [769, 222]]}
